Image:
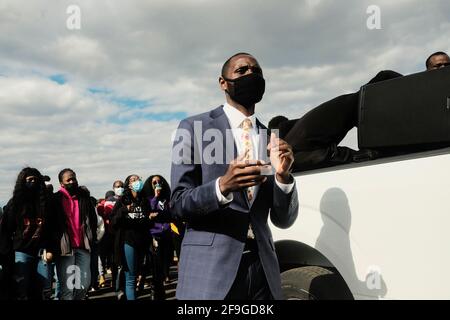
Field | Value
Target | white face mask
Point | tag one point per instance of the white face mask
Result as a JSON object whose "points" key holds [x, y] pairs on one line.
{"points": [[118, 191]]}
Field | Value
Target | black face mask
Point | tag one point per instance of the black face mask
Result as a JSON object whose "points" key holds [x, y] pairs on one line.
{"points": [[31, 185], [71, 188], [247, 90]]}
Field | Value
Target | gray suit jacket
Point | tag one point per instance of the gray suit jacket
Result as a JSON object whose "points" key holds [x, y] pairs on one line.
{"points": [[215, 235]]}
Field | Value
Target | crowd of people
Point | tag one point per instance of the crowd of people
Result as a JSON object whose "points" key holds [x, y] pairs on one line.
{"points": [[61, 245]]}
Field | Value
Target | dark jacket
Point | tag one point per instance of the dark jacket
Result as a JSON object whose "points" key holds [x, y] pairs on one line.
{"points": [[25, 229], [134, 232], [59, 223], [215, 234], [163, 219]]}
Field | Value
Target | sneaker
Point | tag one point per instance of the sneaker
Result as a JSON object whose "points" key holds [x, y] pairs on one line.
{"points": [[102, 282]]}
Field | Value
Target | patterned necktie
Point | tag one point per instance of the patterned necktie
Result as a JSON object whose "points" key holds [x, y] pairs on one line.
{"points": [[247, 144]]}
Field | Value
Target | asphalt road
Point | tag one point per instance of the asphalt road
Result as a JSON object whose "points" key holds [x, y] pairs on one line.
{"points": [[107, 293]]}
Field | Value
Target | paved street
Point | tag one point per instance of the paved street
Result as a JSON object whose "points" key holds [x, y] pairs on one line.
{"points": [[107, 293]]}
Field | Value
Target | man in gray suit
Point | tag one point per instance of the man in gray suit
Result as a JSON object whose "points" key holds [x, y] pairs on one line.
{"points": [[228, 251]]}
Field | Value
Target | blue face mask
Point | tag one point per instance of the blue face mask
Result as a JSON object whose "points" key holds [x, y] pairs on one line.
{"points": [[157, 186], [137, 186], [118, 191]]}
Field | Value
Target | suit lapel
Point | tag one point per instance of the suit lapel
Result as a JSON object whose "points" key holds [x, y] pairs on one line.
{"points": [[220, 121]]}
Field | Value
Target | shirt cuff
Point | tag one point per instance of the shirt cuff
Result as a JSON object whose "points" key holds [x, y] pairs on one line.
{"points": [[220, 197], [286, 188]]}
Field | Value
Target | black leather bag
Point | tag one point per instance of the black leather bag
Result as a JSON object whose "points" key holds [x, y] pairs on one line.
{"points": [[410, 112]]}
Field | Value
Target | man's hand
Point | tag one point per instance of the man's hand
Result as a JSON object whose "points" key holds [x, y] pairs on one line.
{"points": [[241, 174], [281, 158]]}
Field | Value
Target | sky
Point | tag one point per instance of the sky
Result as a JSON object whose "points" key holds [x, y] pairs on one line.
{"points": [[104, 99]]}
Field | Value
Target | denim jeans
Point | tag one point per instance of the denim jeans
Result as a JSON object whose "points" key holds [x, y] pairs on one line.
{"points": [[32, 277], [54, 276], [74, 274], [131, 269]]}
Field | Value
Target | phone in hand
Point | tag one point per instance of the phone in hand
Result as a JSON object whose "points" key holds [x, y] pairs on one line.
{"points": [[267, 170]]}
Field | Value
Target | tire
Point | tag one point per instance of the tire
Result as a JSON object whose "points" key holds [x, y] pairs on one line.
{"points": [[314, 283]]}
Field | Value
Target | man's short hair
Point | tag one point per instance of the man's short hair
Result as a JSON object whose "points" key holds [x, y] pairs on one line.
{"points": [[438, 53], [226, 65]]}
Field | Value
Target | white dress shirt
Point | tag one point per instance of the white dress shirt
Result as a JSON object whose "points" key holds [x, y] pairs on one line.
{"points": [[235, 118]]}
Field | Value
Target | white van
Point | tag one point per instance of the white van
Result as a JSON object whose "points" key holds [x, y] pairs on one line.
{"points": [[373, 230]]}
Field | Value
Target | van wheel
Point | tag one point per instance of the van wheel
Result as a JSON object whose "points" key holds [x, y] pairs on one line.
{"points": [[314, 283]]}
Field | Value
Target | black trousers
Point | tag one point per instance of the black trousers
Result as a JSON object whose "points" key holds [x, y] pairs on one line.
{"points": [[315, 137], [159, 292], [250, 282]]}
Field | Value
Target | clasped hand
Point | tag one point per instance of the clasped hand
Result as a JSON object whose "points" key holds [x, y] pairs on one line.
{"points": [[247, 173]]}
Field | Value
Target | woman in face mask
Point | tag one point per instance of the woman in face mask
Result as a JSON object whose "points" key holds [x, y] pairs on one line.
{"points": [[25, 223], [131, 223], [157, 192], [106, 246], [75, 233], [118, 189]]}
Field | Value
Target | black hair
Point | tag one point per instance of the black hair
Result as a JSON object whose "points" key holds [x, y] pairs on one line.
{"points": [[93, 201], [109, 194], [149, 192], [49, 188], [275, 122], [116, 181], [227, 63], [126, 184], [23, 197], [61, 173], [127, 197], [438, 53]]}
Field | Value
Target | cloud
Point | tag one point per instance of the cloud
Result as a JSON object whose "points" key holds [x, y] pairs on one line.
{"points": [[104, 99], [52, 126]]}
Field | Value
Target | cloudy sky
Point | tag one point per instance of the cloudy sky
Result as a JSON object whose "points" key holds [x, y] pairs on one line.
{"points": [[104, 99]]}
